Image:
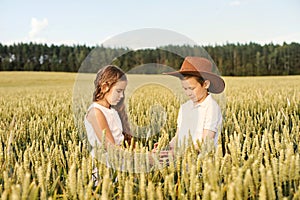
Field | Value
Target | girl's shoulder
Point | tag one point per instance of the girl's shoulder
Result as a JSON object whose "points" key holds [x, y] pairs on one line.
{"points": [[100, 107]]}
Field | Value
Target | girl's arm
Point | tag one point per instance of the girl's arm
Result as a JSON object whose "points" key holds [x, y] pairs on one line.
{"points": [[99, 124]]}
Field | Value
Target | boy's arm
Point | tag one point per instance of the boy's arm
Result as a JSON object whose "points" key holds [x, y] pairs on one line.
{"points": [[212, 123]]}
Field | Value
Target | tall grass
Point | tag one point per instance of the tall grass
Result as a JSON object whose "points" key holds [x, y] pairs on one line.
{"points": [[42, 155]]}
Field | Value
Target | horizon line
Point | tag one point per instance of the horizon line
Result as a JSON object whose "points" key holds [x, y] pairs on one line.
{"points": [[97, 45]]}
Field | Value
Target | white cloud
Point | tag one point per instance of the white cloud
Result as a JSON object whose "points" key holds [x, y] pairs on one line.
{"points": [[37, 26], [235, 3]]}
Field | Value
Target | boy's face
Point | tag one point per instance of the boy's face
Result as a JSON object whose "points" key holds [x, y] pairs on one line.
{"points": [[194, 90]]}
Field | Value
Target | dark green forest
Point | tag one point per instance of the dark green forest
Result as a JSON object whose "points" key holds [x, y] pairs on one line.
{"points": [[249, 59]]}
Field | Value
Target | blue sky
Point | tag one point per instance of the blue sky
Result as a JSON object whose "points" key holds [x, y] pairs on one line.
{"points": [[92, 22]]}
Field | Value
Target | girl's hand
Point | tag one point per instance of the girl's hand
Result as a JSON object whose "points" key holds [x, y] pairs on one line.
{"points": [[155, 148]]}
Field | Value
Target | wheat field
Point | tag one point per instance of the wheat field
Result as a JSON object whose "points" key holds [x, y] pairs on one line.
{"points": [[44, 156]]}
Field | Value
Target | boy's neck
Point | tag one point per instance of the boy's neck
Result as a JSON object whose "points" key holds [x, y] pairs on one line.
{"points": [[202, 100]]}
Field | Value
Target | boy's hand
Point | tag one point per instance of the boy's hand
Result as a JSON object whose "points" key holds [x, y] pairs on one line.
{"points": [[164, 156]]}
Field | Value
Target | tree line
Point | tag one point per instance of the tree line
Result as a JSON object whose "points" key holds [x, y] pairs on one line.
{"points": [[249, 59]]}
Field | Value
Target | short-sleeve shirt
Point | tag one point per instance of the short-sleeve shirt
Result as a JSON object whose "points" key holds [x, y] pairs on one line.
{"points": [[193, 119], [114, 124]]}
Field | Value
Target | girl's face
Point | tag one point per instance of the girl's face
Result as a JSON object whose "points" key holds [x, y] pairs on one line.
{"points": [[194, 90], [116, 93]]}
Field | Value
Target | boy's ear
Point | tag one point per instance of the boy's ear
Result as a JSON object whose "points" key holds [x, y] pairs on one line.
{"points": [[206, 84]]}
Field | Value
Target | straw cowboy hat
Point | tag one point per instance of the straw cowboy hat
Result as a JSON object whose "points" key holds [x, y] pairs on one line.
{"points": [[198, 66]]}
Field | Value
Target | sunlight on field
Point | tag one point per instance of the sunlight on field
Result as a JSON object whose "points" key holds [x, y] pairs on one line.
{"points": [[43, 156], [36, 79]]}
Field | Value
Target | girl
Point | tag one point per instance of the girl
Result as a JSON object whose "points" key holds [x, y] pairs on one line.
{"points": [[107, 112]]}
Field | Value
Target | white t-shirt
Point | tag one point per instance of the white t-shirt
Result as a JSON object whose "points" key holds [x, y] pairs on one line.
{"points": [[193, 119], [114, 124]]}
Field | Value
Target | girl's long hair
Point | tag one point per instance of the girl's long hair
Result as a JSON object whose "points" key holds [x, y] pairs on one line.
{"points": [[110, 75]]}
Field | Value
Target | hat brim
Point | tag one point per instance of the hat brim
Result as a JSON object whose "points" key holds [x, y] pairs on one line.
{"points": [[217, 84]]}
